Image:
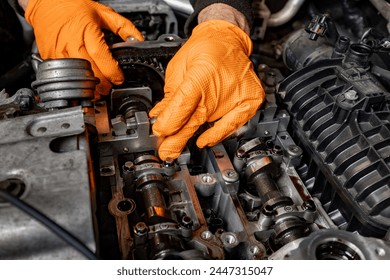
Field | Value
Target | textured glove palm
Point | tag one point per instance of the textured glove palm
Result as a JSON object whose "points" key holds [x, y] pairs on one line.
{"points": [[211, 78], [73, 28]]}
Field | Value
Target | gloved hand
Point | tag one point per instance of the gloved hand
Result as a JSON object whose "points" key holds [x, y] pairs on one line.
{"points": [[73, 28], [210, 78]]}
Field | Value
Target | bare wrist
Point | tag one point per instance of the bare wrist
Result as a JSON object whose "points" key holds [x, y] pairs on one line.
{"points": [[23, 3], [224, 12]]}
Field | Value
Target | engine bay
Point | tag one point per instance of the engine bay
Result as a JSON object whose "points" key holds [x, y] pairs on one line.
{"points": [[308, 177]]}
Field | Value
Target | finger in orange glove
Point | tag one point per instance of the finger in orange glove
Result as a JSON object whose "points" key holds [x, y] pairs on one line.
{"points": [[73, 28], [210, 79]]}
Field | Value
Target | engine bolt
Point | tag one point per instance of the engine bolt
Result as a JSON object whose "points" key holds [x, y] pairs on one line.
{"points": [[168, 162], [141, 228], [128, 166], [230, 175], [254, 249], [187, 222], [309, 205], [206, 235], [240, 153], [163, 226], [294, 151]]}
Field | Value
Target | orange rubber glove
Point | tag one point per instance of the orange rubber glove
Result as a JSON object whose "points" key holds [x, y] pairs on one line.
{"points": [[73, 28], [210, 78]]}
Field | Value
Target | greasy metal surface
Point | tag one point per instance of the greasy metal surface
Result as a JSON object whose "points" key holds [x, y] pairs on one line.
{"points": [[188, 196], [51, 124], [334, 245], [151, 7], [139, 138], [229, 208], [125, 239], [230, 201], [55, 172], [101, 118]]}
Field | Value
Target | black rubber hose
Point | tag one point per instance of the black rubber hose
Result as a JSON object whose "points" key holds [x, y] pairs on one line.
{"points": [[48, 223], [380, 72]]}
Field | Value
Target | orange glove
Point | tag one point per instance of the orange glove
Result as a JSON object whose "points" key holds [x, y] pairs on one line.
{"points": [[73, 28], [210, 78]]}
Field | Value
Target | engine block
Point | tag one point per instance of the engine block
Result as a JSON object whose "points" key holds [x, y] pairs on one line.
{"points": [[306, 178]]}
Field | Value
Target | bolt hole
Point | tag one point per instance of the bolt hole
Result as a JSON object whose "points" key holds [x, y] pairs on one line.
{"points": [[216, 222], [42, 129], [124, 205], [65, 125], [106, 170], [186, 220], [14, 187]]}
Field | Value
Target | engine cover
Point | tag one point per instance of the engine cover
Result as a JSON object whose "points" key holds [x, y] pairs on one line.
{"points": [[341, 116]]}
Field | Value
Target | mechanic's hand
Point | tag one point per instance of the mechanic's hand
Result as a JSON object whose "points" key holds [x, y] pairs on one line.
{"points": [[73, 28], [210, 78]]}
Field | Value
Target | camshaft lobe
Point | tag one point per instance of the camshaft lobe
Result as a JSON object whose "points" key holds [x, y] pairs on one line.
{"points": [[279, 212]]}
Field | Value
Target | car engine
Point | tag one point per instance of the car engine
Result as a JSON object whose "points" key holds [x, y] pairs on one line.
{"points": [[308, 177]]}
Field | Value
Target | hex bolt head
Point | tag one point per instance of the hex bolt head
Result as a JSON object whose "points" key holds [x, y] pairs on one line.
{"points": [[141, 228]]}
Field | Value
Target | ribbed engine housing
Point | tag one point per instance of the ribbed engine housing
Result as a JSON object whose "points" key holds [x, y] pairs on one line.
{"points": [[341, 116]]}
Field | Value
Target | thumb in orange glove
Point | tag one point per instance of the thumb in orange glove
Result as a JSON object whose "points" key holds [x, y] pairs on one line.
{"points": [[73, 28], [210, 78]]}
